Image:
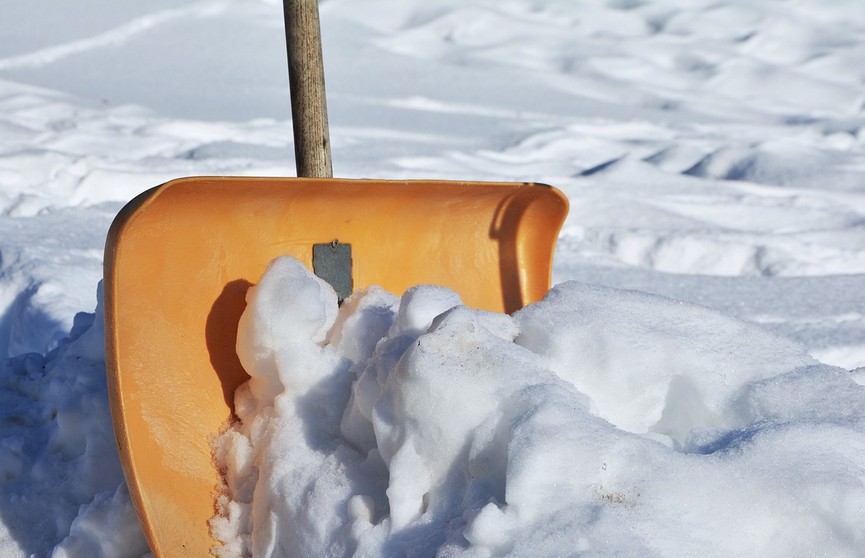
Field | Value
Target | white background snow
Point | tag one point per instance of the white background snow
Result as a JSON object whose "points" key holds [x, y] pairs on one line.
{"points": [[713, 152]]}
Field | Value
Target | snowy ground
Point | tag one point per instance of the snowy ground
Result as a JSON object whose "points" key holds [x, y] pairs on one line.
{"points": [[713, 152]]}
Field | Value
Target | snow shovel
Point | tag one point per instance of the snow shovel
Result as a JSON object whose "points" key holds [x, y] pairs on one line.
{"points": [[179, 259]]}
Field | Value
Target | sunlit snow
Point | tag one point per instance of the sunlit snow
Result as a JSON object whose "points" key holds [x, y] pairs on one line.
{"points": [[691, 385]]}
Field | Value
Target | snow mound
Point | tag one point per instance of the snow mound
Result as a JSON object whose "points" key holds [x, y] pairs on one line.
{"points": [[62, 481], [597, 420]]}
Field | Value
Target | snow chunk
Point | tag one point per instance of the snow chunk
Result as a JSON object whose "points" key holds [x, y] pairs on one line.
{"points": [[596, 421], [651, 364], [288, 307]]}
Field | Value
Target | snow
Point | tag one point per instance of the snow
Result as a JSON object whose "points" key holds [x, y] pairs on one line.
{"points": [[598, 420], [712, 153], [61, 479]]}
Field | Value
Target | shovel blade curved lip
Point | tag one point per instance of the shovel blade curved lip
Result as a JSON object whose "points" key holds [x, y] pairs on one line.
{"points": [[180, 257]]}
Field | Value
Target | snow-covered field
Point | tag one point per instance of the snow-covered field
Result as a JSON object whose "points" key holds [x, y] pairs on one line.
{"points": [[713, 152]]}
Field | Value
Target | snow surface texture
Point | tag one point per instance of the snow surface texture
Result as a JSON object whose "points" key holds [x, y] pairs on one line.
{"points": [[60, 477], [598, 421], [712, 152]]}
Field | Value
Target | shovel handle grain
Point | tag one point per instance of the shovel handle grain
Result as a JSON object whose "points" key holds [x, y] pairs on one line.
{"points": [[306, 78]]}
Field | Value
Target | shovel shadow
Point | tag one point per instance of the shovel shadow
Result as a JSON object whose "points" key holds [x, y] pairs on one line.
{"points": [[221, 337]]}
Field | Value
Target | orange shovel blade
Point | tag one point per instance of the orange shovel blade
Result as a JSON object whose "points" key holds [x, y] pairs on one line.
{"points": [[179, 259]]}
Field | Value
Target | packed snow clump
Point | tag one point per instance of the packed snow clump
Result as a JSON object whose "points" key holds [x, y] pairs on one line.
{"points": [[597, 420]]}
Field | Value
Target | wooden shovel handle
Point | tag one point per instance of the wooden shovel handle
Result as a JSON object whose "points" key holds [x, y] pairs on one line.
{"points": [[306, 79]]}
